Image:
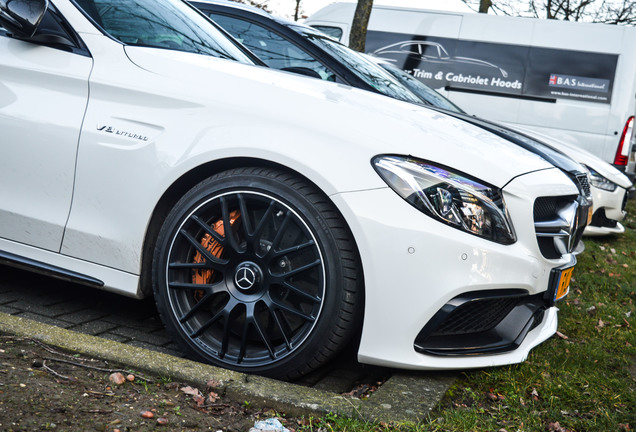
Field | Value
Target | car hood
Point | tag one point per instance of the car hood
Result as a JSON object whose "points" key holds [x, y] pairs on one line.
{"points": [[582, 156], [355, 125], [523, 140]]}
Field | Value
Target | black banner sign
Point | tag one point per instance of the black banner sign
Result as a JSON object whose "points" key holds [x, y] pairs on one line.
{"points": [[499, 68]]}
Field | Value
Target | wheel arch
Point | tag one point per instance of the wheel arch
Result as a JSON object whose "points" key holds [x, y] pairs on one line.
{"points": [[189, 180]]}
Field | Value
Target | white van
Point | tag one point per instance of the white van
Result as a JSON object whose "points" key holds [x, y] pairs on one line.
{"points": [[573, 81]]}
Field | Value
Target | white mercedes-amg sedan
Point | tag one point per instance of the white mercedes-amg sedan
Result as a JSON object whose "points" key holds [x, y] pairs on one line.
{"points": [[275, 218]]}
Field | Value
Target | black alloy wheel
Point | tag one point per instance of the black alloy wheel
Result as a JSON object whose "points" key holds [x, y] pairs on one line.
{"points": [[255, 271]]}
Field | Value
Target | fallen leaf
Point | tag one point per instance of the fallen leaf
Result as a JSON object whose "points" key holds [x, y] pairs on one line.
{"points": [[200, 400], [600, 325], [190, 391], [212, 384], [213, 397], [535, 394], [555, 427]]}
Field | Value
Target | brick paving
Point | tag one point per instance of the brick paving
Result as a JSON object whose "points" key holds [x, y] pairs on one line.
{"points": [[135, 322]]}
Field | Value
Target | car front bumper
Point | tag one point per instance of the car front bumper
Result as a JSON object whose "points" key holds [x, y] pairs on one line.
{"points": [[415, 266], [609, 209]]}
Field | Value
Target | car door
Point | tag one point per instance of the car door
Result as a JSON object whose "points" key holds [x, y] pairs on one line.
{"points": [[43, 97]]}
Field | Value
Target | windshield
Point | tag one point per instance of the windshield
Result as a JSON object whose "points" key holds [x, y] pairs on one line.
{"points": [[420, 89], [368, 71], [167, 24]]}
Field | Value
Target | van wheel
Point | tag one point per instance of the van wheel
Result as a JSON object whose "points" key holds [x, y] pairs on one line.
{"points": [[256, 271]]}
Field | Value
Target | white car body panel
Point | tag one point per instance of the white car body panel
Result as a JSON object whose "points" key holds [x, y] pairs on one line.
{"points": [[36, 167], [407, 266], [155, 115], [214, 130]]}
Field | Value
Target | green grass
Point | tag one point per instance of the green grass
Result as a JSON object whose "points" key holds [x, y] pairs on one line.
{"points": [[583, 379]]}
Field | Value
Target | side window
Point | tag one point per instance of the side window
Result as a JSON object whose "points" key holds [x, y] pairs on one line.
{"points": [[172, 25], [334, 32], [274, 50]]}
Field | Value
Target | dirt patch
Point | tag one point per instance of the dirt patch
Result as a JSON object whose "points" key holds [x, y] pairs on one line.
{"points": [[44, 388]]}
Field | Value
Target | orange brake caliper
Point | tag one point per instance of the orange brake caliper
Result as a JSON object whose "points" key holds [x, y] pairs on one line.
{"points": [[202, 277]]}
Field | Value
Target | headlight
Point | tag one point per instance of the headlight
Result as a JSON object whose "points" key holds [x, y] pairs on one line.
{"points": [[452, 198], [599, 181]]}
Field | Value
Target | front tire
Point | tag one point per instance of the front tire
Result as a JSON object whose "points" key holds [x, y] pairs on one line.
{"points": [[256, 271]]}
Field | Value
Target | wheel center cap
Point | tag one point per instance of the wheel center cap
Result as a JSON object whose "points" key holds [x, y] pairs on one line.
{"points": [[247, 277]]}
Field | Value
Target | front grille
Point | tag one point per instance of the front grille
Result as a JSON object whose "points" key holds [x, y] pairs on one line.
{"points": [[476, 316], [545, 208], [558, 224], [599, 219], [538, 319], [481, 322], [584, 182]]}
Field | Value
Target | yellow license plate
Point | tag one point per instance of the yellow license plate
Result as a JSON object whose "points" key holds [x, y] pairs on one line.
{"points": [[563, 286]]}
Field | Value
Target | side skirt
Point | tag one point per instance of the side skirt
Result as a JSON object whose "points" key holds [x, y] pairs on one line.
{"points": [[48, 270]]}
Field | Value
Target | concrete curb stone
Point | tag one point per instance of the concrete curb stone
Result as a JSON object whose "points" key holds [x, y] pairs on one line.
{"points": [[405, 397]]}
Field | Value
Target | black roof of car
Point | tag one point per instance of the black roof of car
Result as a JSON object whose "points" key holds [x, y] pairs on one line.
{"points": [[291, 30]]}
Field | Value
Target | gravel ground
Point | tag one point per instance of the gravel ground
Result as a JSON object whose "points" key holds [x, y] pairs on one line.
{"points": [[43, 388]]}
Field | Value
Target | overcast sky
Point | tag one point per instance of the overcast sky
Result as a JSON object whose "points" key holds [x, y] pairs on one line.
{"points": [[285, 8]]}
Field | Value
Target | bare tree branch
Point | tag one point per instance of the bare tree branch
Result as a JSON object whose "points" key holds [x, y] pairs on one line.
{"points": [[601, 11]]}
